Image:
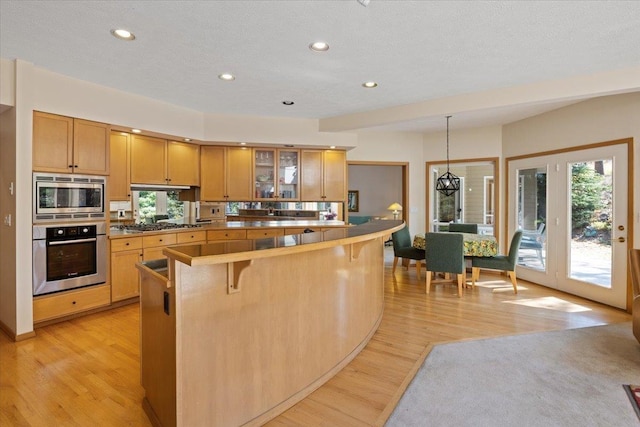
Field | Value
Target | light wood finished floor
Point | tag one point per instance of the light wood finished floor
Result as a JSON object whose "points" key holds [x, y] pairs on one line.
{"points": [[86, 371]]}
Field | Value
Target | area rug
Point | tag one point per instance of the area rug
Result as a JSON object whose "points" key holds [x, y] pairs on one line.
{"points": [[633, 391], [561, 378]]}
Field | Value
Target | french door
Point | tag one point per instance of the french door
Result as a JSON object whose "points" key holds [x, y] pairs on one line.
{"points": [[572, 208]]}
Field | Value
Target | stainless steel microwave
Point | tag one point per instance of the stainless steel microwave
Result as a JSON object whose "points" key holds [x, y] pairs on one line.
{"points": [[68, 197]]}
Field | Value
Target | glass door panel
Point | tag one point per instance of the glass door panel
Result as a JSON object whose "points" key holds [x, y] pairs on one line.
{"points": [[591, 202], [288, 174], [264, 169], [532, 217]]}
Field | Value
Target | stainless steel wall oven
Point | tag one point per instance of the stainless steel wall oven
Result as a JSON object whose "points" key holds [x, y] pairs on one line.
{"points": [[68, 256]]}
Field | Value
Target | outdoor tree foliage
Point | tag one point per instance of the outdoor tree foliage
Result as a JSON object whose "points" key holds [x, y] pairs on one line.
{"points": [[147, 205], [587, 186]]}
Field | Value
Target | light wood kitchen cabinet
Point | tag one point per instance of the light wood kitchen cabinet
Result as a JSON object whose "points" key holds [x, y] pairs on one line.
{"points": [[161, 162], [148, 160], [213, 235], [265, 232], [154, 245], [183, 163], [193, 237], [61, 304], [323, 175], [225, 173], [275, 174], [120, 176], [125, 253], [67, 145]]}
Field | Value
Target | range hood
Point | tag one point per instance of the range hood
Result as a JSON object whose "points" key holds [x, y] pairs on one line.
{"points": [[158, 187]]}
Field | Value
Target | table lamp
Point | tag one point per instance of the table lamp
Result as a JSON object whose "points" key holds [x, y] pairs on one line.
{"points": [[395, 207]]}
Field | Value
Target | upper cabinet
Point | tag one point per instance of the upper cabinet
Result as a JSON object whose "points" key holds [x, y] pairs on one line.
{"points": [[158, 161], [183, 163], [120, 176], [275, 174], [148, 160], [226, 173], [67, 145], [323, 175]]}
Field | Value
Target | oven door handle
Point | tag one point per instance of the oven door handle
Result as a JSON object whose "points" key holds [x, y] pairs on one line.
{"points": [[68, 242]]}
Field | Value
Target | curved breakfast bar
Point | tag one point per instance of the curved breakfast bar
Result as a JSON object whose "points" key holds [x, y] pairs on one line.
{"points": [[234, 333]]}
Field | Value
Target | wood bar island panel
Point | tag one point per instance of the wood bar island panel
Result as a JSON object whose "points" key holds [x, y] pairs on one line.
{"points": [[234, 333]]}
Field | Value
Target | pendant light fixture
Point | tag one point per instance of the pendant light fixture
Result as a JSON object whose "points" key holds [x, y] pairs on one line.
{"points": [[448, 183]]}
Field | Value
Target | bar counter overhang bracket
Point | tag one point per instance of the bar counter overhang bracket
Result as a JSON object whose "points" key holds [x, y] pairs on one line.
{"points": [[355, 249], [234, 271]]}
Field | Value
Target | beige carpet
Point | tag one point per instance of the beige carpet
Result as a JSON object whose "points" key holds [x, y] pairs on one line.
{"points": [[563, 378]]}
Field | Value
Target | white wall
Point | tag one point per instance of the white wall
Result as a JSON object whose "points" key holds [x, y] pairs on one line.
{"points": [[7, 83], [397, 147], [379, 186], [596, 120], [7, 207]]}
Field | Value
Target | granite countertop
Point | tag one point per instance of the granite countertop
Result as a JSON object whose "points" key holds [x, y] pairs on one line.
{"points": [[216, 252], [228, 225]]}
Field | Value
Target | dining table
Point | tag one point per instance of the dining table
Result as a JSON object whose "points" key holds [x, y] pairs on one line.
{"points": [[480, 245]]}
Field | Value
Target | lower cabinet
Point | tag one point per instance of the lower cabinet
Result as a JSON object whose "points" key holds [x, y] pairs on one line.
{"points": [[265, 232], [125, 253], [155, 244], [49, 307], [213, 235]]}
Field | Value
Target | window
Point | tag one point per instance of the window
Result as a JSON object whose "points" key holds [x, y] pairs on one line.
{"points": [[152, 206]]}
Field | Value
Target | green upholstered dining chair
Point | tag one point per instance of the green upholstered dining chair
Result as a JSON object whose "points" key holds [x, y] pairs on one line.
{"points": [[463, 228], [444, 253], [499, 262], [403, 248]]}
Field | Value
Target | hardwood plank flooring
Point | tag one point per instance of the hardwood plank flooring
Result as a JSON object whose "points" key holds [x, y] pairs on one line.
{"points": [[86, 371]]}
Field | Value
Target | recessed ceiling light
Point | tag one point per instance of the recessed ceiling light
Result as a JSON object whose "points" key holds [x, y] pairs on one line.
{"points": [[227, 76], [136, 131], [289, 145], [369, 85], [123, 34], [243, 143], [187, 140], [319, 47], [288, 102], [332, 146]]}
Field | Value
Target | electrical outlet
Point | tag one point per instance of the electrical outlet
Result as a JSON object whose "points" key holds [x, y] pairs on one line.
{"points": [[7, 220]]}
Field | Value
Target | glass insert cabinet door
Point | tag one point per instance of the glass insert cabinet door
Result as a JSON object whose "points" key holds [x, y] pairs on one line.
{"points": [[275, 174], [288, 174]]}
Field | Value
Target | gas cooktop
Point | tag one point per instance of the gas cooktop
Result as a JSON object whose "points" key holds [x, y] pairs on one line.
{"points": [[153, 227]]}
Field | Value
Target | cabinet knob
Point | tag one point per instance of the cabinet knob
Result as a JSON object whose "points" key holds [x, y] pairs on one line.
{"points": [[127, 244], [73, 302], [160, 240]]}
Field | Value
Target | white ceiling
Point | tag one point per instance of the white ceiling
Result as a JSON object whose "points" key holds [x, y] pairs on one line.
{"points": [[435, 55]]}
